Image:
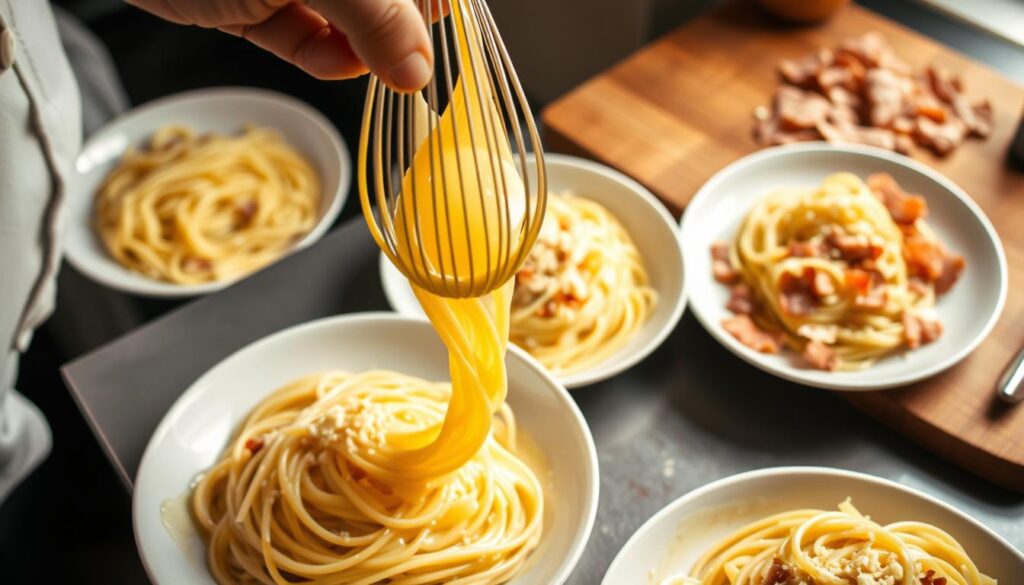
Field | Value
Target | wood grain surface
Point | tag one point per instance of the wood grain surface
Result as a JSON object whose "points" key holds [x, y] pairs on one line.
{"points": [[680, 109]]}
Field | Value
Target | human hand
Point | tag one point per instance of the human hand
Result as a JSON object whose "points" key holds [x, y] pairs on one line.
{"points": [[329, 39]]}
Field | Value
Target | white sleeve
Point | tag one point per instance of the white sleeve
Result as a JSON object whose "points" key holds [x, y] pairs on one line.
{"points": [[40, 134]]}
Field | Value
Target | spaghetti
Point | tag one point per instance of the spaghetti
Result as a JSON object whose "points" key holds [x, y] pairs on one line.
{"points": [[583, 292], [844, 273], [380, 478], [312, 489], [191, 208], [815, 547]]}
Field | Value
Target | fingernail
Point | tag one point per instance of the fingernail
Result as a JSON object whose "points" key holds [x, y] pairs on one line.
{"points": [[411, 73]]}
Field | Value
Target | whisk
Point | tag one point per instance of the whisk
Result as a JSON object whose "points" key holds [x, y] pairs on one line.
{"points": [[458, 205]]}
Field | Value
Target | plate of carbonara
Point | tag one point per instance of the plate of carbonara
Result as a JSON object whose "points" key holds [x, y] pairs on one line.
{"points": [[812, 526], [189, 193], [842, 267], [341, 450], [603, 285]]}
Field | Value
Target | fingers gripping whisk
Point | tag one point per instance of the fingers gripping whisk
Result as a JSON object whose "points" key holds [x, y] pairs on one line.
{"points": [[444, 179]]}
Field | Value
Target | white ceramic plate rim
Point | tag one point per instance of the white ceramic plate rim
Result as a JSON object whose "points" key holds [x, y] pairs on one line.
{"points": [[848, 384], [827, 472], [174, 412], [619, 361], [160, 289]]}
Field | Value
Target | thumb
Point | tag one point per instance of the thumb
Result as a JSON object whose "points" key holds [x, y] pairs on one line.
{"points": [[389, 36]]}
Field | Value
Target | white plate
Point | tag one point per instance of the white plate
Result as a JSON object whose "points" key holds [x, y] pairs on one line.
{"points": [[672, 540], [653, 231], [196, 429], [223, 110], [968, 312]]}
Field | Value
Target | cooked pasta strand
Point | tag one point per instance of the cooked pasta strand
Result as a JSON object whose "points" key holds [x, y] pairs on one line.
{"points": [[191, 208], [584, 292]]}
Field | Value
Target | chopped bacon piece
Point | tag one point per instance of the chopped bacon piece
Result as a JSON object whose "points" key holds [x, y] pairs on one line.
{"points": [[546, 310], [917, 286], [743, 328], [903, 207], [768, 133], [358, 473], [804, 72], [930, 108], [952, 266], [842, 131], [843, 115], [802, 249], [720, 250], [853, 64], [196, 264], [943, 84], [924, 259], [821, 356], [852, 247], [254, 444], [977, 117], [847, 102], [862, 93], [929, 578], [741, 300], [875, 299], [858, 280], [795, 296], [799, 295], [941, 138], [903, 126], [836, 77], [869, 49], [909, 230], [886, 93], [819, 282], [778, 573], [919, 329], [567, 299], [983, 119], [246, 212], [800, 110], [931, 329], [721, 265], [911, 330], [904, 144], [815, 332]]}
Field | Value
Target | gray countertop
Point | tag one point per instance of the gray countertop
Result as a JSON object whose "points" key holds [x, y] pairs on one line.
{"points": [[691, 402]]}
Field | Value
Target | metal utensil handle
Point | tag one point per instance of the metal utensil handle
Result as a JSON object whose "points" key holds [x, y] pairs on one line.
{"points": [[1011, 382]]}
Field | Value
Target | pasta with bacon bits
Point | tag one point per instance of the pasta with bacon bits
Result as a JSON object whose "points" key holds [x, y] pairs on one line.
{"points": [[844, 273], [818, 547], [583, 292]]}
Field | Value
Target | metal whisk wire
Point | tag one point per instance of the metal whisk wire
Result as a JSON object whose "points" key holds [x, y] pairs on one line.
{"points": [[397, 126]]}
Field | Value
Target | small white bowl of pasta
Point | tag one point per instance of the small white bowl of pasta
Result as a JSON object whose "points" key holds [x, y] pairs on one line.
{"points": [[669, 546], [912, 274], [622, 315], [378, 351], [186, 194]]}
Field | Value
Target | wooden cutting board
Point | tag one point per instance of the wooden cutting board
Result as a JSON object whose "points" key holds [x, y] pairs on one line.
{"points": [[680, 109]]}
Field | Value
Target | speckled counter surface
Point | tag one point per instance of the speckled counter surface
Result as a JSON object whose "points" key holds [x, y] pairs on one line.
{"points": [[689, 414]]}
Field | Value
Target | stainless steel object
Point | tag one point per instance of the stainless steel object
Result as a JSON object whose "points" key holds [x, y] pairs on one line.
{"points": [[1011, 383], [423, 233]]}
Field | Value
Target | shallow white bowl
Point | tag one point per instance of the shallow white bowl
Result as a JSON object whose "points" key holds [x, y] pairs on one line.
{"points": [[223, 110], [197, 428], [653, 231], [968, 311], [672, 540]]}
